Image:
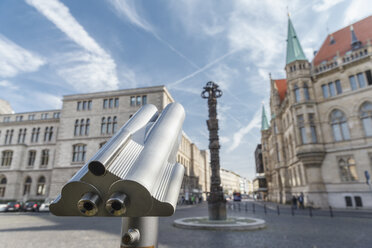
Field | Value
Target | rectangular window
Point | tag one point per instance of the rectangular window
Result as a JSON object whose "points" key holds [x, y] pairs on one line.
{"points": [[78, 106], [6, 159], [89, 105], [358, 201], [84, 105], [105, 103], [44, 116], [353, 84], [19, 118], [361, 81], [325, 91], [116, 102], [138, 102], [78, 154], [132, 101], [44, 157], [338, 87], [111, 103], [144, 100], [31, 158], [56, 115], [31, 117], [332, 89], [369, 77], [301, 127], [348, 201], [313, 128], [6, 119]]}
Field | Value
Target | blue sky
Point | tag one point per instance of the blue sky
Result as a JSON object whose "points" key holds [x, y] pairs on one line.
{"points": [[50, 48]]}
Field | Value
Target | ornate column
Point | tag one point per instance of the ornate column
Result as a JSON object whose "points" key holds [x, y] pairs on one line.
{"points": [[216, 201]]}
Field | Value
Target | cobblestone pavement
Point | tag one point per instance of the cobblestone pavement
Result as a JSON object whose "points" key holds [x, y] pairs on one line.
{"points": [[43, 230]]}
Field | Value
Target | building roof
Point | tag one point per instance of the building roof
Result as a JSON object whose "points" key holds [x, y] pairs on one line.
{"points": [[281, 87], [264, 122], [343, 39], [294, 49]]}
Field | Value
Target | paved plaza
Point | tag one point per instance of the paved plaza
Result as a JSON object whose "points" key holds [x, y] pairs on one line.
{"points": [[345, 229]]}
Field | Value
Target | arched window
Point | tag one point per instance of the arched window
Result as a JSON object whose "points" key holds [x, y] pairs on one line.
{"points": [[44, 157], [347, 169], [81, 127], [114, 124], [108, 125], [297, 93], [6, 158], [40, 189], [76, 129], [3, 182], [366, 117], [306, 92], [87, 127], [78, 152], [103, 125], [339, 126], [27, 186]]}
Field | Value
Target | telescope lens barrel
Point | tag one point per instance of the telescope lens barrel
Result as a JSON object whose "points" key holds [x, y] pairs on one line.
{"points": [[117, 204], [88, 204]]}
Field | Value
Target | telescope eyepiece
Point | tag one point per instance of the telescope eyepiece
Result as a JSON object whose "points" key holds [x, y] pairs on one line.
{"points": [[97, 168], [117, 204], [88, 204]]}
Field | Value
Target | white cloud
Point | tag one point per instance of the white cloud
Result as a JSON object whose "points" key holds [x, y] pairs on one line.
{"points": [[48, 100], [127, 10], [357, 10], [239, 135], [15, 59], [325, 5], [89, 69], [8, 85]]}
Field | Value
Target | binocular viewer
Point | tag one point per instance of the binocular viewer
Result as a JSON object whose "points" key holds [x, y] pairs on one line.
{"points": [[134, 174]]}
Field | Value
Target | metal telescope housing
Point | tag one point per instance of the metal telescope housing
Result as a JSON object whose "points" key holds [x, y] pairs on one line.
{"points": [[134, 174]]}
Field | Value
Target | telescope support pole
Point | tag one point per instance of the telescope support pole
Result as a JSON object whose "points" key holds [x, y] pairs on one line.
{"points": [[140, 232]]}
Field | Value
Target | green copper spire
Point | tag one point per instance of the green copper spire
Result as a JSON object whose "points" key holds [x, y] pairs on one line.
{"points": [[264, 122], [294, 49]]}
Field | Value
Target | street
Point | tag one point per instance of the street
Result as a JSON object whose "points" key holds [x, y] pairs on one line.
{"points": [[44, 230]]}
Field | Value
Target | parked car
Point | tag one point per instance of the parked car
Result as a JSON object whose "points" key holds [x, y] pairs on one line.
{"points": [[44, 207], [13, 206], [3, 207], [31, 206]]}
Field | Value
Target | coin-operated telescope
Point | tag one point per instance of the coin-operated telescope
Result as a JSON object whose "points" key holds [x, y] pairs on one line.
{"points": [[134, 176]]}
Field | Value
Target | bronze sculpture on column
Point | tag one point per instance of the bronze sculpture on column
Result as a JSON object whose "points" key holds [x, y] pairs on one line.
{"points": [[216, 200]]}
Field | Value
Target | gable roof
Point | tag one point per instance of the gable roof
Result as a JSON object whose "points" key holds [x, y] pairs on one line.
{"points": [[281, 86], [342, 40]]}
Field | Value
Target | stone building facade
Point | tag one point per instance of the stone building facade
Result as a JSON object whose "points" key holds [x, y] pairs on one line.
{"points": [[40, 151], [230, 181], [319, 142]]}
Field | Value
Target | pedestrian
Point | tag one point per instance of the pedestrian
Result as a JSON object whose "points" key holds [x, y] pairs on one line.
{"points": [[294, 202], [193, 199], [301, 200], [182, 200]]}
